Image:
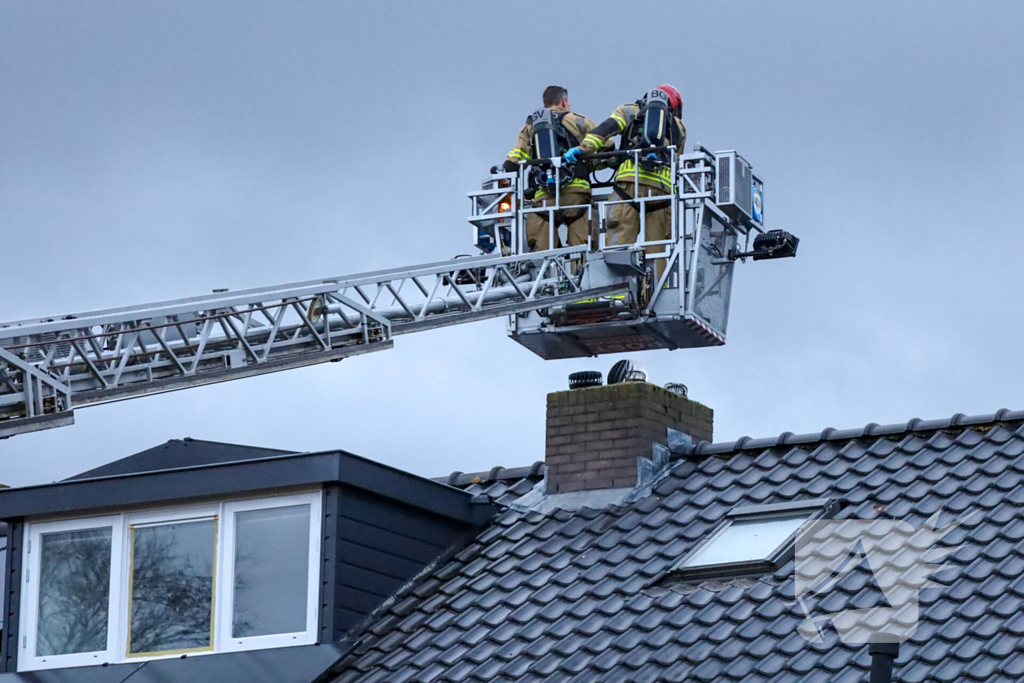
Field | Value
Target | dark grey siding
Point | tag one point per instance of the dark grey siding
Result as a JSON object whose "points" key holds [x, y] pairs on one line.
{"points": [[12, 597], [377, 545]]}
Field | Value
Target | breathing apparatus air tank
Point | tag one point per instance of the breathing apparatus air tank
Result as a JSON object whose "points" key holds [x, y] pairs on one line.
{"points": [[545, 137], [654, 119], [549, 142], [652, 126]]}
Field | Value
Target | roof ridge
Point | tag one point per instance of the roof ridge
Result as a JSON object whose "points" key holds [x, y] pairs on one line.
{"points": [[497, 473], [872, 429], [189, 439]]}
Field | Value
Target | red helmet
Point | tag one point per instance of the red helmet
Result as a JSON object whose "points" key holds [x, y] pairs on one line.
{"points": [[675, 100]]}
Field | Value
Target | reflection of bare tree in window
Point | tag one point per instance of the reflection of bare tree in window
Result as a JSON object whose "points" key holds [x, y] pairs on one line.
{"points": [[74, 592], [242, 620], [172, 586]]}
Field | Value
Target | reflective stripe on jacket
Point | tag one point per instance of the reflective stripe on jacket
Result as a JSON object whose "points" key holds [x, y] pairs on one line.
{"points": [[595, 140]]}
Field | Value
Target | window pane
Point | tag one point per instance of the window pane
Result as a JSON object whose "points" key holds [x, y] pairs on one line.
{"points": [[171, 587], [74, 592], [746, 541], [271, 571]]}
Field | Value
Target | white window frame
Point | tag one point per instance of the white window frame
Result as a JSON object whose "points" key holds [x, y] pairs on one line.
{"points": [[27, 658], [120, 563], [307, 637], [803, 517], [151, 518], [808, 510]]}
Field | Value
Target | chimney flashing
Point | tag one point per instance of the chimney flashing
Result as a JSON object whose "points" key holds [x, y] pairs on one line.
{"points": [[649, 473]]}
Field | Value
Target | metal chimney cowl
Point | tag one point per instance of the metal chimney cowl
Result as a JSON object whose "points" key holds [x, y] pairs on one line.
{"points": [[585, 379], [626, 371]]}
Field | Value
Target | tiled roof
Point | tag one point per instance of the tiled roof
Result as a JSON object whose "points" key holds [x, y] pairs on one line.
{"points": [[575, 596], [502, 485]]}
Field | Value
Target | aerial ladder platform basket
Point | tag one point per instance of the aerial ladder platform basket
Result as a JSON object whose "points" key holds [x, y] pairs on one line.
{"points": [[680, 293]]}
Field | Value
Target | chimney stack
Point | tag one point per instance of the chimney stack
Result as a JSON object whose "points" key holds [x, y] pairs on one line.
{"points": [[596, 434]]}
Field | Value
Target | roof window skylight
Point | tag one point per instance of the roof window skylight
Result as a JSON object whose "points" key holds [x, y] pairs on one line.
{"points": [[750, 540], [747, 541]]}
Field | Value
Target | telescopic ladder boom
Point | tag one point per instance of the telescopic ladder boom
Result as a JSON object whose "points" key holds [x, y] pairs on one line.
{"points": [[49, 367]]}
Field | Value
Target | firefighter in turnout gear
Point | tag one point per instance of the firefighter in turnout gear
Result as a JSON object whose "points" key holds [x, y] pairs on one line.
{"points": [[549, 133], [653, 121]]}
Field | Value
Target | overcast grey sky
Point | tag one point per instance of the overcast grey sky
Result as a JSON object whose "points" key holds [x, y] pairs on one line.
{"points": [[150, 150]]}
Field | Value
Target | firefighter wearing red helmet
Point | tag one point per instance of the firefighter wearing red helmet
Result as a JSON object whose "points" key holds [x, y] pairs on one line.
{"points": [[655, 120]]}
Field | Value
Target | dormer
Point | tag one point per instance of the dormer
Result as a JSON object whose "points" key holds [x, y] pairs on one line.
{"points": [[195, 549]]}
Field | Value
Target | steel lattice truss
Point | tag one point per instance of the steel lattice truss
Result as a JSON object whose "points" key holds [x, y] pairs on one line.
{"points": [[49, 367]]}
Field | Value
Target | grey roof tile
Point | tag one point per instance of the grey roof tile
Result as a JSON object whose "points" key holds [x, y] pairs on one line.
{"points": [[738, 668], [1014, 666], [647, 674], [982, 668]]}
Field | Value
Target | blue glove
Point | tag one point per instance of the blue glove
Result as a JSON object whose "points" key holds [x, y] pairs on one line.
{"points": [[571, 156], [652, 156]]}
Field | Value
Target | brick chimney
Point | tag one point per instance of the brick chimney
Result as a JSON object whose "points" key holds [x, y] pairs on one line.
{"points": [[595, 435]]}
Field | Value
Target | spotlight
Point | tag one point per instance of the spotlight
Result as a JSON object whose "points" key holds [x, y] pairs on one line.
{"points": [[770, 245]]}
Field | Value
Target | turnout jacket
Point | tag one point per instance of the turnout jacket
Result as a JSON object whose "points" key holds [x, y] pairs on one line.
{"points": [[576, 125], [596, 139]]}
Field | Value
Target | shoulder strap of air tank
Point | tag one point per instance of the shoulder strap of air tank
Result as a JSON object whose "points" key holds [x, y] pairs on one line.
{"points": [[632, 110], [562, 130], [677, 131], [574, 140]]}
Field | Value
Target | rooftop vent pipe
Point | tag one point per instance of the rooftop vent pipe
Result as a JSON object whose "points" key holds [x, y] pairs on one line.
{"points": [[883, 658]]}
